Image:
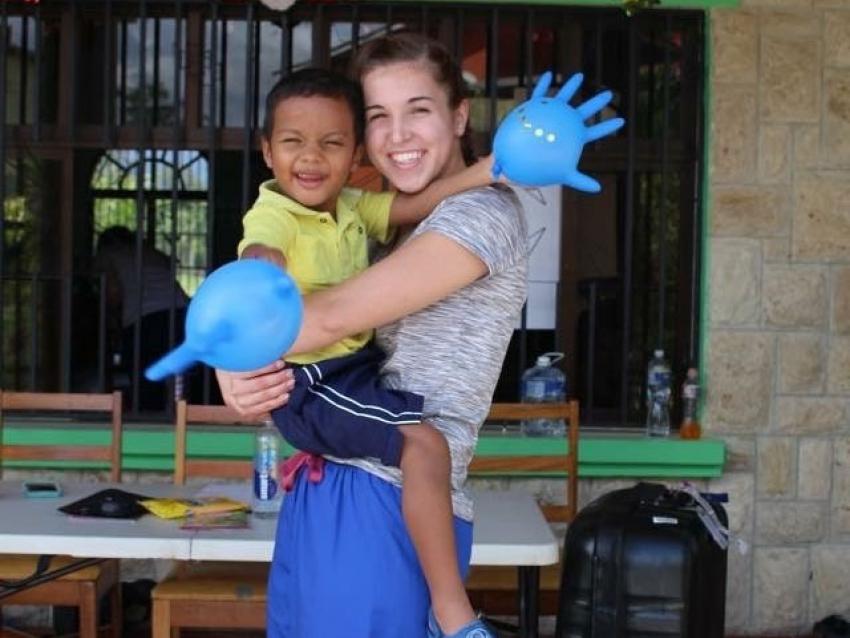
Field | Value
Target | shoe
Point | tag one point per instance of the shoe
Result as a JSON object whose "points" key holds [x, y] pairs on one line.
{"points": [[476, 629]]}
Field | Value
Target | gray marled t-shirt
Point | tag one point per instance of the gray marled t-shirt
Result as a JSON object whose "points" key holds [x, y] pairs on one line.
{"points": [[452, 351]]}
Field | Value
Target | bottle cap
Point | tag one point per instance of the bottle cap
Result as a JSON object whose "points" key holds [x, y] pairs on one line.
{"points": [[548, 358], [659, 354]]}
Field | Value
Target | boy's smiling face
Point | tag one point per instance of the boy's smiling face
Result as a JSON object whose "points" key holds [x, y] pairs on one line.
{"points": [[312, 149]]}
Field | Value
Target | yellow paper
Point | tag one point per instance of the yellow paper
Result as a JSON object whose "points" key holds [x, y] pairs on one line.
{"points": [[169, 508]]}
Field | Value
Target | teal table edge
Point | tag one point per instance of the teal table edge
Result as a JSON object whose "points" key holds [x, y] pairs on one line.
{"points": [[150, 447]]}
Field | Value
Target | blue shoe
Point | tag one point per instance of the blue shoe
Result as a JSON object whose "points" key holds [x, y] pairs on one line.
{"points": [[476, 629]]}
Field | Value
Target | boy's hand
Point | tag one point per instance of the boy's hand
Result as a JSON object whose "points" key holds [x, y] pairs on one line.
{"points": [[484, 168], [258, 251]]}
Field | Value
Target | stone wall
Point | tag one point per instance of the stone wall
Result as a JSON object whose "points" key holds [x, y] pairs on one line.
{"points": [[778, 384]]}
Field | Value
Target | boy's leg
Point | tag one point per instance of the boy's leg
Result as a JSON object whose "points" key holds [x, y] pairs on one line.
{"points": [[427, 507]]}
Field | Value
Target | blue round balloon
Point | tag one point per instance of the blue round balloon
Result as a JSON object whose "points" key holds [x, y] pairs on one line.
{"points": [[245, 315], [539, 143]]}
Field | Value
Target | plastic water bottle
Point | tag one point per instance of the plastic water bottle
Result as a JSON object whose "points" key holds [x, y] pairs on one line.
{"points": [[544, 383], [267, 492], [690, 427], [658, 396]]}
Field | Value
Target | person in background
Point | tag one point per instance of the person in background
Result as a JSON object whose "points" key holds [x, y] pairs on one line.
{"points": [[146, 301]]}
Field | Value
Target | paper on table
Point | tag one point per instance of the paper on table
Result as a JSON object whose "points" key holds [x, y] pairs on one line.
{"points": [[236, 491]]}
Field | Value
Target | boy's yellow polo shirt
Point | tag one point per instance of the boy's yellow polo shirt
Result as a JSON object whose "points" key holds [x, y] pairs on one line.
{"points": [[320, 251]]}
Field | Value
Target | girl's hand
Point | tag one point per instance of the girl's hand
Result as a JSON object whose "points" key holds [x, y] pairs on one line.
{"points": [[255, 394]]}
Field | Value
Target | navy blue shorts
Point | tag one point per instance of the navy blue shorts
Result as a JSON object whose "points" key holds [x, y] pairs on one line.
{"points": [[339, 407]]}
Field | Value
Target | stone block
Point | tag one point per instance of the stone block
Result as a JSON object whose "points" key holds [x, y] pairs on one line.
{"points": [[836, 38], [830, 584], [776, 249], [814, 468], [787, 522], [841, 488], [807, 415], [821, 218], [807, 146], [741, 490], [740, 454], [734, 45], [735, 281], [774, 159], [841, 301], [739, 587], [733, 132], [776, 466], [791, 23], [750, 211], [741, 365], [836, 117], [788, 89], [781, 579], [794, 296], [838, 374], [801, 364]]}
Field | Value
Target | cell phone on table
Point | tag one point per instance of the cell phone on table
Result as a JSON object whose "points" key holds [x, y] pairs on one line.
{"points": [[42, 489]]}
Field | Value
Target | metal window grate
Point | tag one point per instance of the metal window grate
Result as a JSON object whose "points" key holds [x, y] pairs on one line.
{"points": [[162, 79]]}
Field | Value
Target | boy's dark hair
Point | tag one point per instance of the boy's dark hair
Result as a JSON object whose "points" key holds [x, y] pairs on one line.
{"points": [[317, 82]]}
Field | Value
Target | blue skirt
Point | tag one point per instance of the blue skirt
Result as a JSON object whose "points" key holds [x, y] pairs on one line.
{"points": [[344, 565]]}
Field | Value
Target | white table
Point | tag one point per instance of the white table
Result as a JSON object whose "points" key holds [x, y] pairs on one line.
{"points": [[509, 530]]}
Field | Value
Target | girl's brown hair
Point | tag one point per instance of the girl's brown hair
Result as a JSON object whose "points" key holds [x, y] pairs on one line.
{"points": [[414, 47]]}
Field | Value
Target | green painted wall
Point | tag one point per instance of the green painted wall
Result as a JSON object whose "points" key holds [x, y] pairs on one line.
{"points": [[151, 447]]}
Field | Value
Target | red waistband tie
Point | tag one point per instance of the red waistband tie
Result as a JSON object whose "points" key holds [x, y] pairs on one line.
{"points": [[314, 463]]}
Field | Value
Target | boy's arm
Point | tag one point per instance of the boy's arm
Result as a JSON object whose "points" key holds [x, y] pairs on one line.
{"points": [[409, 209], [259, 251]]}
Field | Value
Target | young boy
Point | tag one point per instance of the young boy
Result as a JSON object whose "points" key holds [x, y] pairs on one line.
{"points": [[307, 221]]}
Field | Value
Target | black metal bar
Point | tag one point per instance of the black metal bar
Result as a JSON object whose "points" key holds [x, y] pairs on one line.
{"points": [[457, 45], [493, 69], [587, 408], [73, 81], [211, 154], [108, 79], [34, 334], [175, 389], [247, 123], [223, 70], [355, 29], [36, 113], [141, 203], [665, 165], [694, 353], [4, 43], [155, 91], [629, 221], [101, 336], [123, 110], [285, 45], [528, 594], [22, 96], [528, 51]]}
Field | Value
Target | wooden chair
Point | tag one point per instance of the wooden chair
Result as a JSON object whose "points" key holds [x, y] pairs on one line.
{"points": [[494, 589], [84, 588], [228, 595]]}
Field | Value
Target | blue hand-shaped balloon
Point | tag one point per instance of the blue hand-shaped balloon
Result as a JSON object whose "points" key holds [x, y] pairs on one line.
{"points": [[539, 143], [244, 316]]}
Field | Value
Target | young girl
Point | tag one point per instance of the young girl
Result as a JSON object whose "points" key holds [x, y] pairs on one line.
{"points": [[444, 303]]}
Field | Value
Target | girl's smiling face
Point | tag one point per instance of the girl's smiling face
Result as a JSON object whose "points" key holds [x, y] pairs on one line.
{"points": [[412, 133]]}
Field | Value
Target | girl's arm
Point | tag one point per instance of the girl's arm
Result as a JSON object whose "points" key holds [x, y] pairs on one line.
{"points": [[423, 271], [409, 209]]}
